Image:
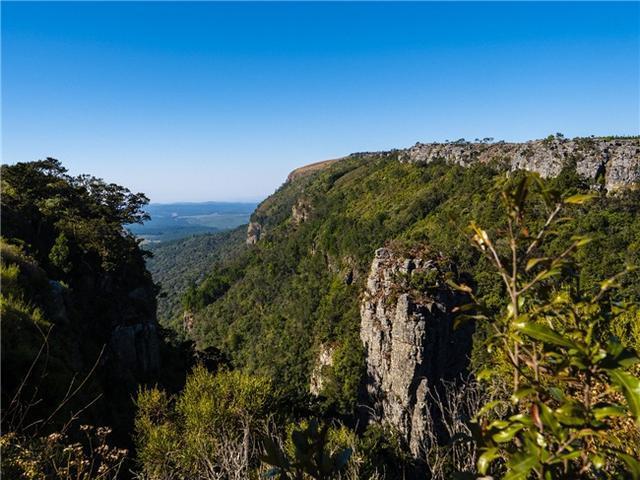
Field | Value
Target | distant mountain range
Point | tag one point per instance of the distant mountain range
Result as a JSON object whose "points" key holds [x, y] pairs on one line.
{"points": [[171, 221]]}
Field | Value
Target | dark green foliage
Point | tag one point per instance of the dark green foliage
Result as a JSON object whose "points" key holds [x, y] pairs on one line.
{"points": [[384, 454], [342, 380], [212, 287], [71, 274], [59, 254], [311, 456], [176, 265]]}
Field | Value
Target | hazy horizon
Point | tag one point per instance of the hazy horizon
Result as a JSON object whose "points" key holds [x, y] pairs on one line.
{"points": [[220, 101]]}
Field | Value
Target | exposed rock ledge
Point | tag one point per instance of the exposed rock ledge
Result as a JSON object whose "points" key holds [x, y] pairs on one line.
{"points": [[254, 232], [318, 376], [615, 162], [409, 341]]}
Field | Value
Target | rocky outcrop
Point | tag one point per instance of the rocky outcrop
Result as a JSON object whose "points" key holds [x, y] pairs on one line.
{"points": [[188, 321], [254, 232], [300, 211], [615, 163], [318, 375], [136, 349], [409, 339]]}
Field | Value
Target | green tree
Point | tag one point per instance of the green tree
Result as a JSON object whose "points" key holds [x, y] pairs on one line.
{"points": [[574, 400], [59, 254]]}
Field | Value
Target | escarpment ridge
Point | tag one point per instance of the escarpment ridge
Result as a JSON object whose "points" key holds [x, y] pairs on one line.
{"points": [[610, 163], [614, 161]]}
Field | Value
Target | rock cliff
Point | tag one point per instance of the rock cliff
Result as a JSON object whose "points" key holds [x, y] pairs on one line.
{"points": [[410, 344], [254, 231], [318, 376], [613, 163]]}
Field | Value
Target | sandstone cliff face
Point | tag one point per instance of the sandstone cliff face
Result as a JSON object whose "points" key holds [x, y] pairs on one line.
{"points": [[614, 162], [318, 376], [409, 341], [300, 212], [254, 232]]}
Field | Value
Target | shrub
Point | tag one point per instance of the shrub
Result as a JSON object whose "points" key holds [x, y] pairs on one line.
{"points": [[575, 402], [211, 430]]}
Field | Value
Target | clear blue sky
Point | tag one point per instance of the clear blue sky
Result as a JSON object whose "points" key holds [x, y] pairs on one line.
{"points": [[219, 101]]}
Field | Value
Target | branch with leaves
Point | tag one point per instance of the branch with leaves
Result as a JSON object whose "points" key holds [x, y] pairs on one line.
{"points": [[574, 391]]}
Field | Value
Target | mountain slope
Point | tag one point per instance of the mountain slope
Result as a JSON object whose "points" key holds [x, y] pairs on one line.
{"points": [[177, 264], [297, 292]]}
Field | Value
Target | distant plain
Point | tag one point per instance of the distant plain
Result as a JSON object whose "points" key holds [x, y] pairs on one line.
{"points": [[171, 221]]}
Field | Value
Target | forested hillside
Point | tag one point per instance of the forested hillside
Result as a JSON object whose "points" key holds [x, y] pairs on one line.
{"points": [[302, 282], [79, 330], [178, 264]]}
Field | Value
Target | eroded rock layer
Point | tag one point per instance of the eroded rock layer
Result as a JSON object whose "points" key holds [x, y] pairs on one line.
{"points": [[409, 340]]}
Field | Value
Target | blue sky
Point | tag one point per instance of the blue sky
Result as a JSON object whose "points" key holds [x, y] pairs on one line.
{"points": [[219, 101]]}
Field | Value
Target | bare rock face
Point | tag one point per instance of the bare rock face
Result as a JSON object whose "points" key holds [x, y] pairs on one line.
{"points": [[188, 321], [409, 341], [300, 211], [134, 344], [614, 162], [324, 361], [136, 348], [254, 232]]}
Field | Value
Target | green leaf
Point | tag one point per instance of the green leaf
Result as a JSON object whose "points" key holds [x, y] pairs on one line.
{"points": [[521, 393], [507, 434], [608, 284], [567, 456], [633, 465], [619, 356], [461, 288], [548, 419], [597, 460], [581, 240], [571, 413], [522, 191], [580, 199], [487, 407], [630, 387], [533, 262], [556, 393], [520, 465], [486, 458], [609, 411], [544, 334]]}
